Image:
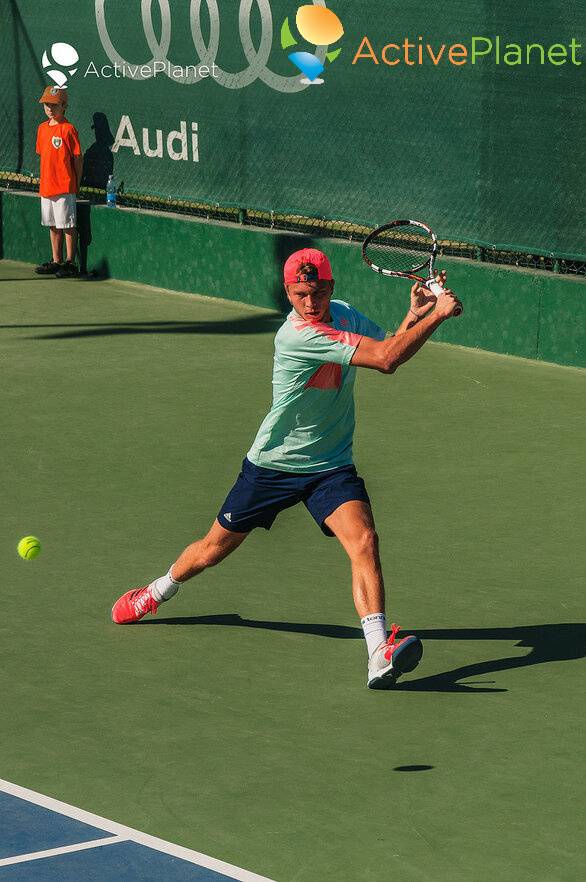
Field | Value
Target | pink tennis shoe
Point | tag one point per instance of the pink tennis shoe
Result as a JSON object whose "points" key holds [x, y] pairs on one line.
{"points": [[133, 605]]}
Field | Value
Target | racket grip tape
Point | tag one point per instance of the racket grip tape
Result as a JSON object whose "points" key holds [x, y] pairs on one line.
{"points": [[437, 289]]}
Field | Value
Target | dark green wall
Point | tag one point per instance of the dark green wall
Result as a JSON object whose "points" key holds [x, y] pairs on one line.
{"points": [[484, 151], [518, 312]]}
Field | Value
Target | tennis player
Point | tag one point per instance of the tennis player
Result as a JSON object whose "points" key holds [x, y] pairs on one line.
{"points": [[303, 450]]}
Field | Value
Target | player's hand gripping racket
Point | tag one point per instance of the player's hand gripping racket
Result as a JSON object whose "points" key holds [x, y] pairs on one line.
{"points": [[405, 248]]}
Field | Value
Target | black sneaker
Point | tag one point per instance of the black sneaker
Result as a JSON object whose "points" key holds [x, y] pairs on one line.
{"points": [[48, 269], [67, 270]]}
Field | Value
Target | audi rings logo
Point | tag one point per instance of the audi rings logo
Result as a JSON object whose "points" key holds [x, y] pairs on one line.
{"points": [[257, 58]]}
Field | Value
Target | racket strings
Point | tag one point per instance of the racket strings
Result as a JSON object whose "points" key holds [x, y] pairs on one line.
{"points": [[401, 249]]}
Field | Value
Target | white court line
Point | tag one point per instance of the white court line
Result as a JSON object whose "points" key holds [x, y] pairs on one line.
{"points": [[53, 852], [185, 854]]}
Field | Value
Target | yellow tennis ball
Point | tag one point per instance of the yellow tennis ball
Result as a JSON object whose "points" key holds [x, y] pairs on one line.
{"points": [[29, 547]]}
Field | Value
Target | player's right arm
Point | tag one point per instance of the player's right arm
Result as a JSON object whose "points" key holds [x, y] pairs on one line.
{"points": [[387, 355]]}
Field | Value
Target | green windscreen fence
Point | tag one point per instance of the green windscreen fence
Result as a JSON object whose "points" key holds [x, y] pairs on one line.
{"points": [[469, 115]]}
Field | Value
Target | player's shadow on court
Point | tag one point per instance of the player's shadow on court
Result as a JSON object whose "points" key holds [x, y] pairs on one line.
{"points": [[253, 324], [547, 643]]}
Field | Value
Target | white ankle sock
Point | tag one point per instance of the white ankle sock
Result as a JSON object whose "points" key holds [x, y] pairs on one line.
{"points": [[164, 588], [375, 631]]}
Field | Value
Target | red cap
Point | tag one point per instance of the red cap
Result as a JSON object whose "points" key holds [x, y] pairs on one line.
{"points": [[53, 95], [300, 258]]}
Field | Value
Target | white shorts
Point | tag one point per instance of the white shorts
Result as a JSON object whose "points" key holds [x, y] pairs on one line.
{"points": [[59, 211]]}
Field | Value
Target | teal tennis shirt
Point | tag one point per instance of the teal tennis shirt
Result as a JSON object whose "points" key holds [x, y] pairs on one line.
{"points": [[310, 426]]}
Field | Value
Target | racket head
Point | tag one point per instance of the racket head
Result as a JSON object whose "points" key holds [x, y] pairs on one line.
{"points": [[401, 248]]}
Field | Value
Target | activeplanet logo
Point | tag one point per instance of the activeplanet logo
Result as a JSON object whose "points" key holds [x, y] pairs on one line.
{"points": [[319, 26], [60, 63], [493, 50]]}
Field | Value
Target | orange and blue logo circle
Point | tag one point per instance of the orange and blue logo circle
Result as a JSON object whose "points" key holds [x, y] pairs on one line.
{"points": [[318, 26]]}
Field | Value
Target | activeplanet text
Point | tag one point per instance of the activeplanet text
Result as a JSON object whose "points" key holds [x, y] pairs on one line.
{"points": [[477, 50]]}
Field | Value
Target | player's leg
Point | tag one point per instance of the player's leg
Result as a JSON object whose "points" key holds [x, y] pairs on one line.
{"points": [[339, 503], [217, 544], [206, 552], [254, 501], [353, 524], [71, 244], [66, 214], [49, 220], [56, 244]]}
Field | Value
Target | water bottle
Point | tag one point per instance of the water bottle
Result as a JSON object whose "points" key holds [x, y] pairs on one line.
{"points": [[111, 192]]}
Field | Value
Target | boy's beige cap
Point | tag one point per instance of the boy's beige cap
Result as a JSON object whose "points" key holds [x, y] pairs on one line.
{"points": [[53, 95]]}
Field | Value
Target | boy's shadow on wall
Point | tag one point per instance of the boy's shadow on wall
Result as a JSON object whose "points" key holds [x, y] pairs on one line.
{"points": [[98, 165], [98, 160]]}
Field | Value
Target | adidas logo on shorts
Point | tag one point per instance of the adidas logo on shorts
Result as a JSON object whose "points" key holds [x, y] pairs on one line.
{"points": [[228, 517]]}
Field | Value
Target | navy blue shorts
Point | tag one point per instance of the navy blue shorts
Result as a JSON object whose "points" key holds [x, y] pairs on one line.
{"points": [[259, 495]]}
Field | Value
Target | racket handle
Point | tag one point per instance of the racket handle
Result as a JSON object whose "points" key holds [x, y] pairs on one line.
{"points": [[437, 289]]}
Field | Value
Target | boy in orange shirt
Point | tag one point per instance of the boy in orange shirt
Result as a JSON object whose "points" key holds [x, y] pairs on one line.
{"points": [[61, 167]]}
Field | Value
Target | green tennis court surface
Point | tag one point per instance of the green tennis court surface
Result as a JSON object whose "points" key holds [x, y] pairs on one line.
{"points": [[237, 722]]}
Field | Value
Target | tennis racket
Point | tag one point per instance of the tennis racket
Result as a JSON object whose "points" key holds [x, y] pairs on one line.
{"points": [[404, 248]]}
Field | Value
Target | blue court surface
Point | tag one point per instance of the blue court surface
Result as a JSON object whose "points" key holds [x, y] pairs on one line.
{"points": [[43, 840]]}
